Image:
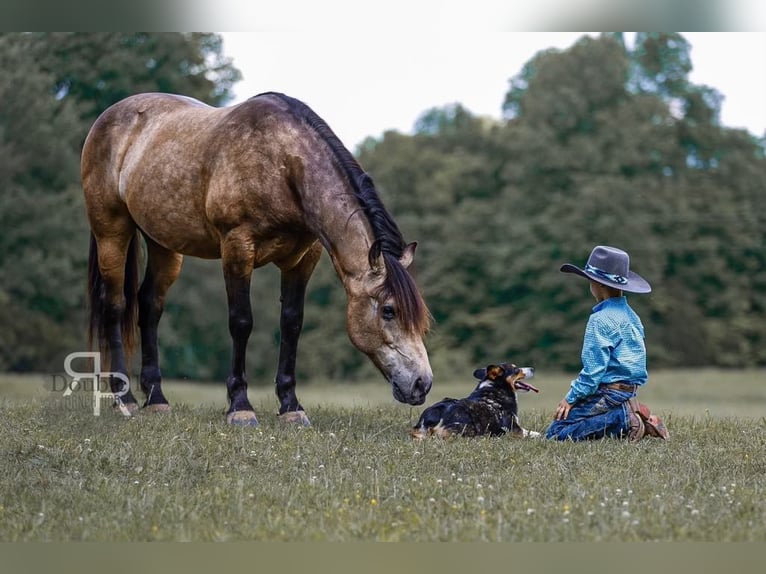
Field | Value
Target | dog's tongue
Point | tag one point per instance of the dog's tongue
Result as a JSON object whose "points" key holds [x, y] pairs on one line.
{"points": [[526, 387]]}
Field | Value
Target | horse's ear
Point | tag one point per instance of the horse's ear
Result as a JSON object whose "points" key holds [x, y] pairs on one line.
{"points": [[408, 255]]}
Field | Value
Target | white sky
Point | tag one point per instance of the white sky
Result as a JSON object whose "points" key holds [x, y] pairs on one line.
{"points": [[363, 83]]}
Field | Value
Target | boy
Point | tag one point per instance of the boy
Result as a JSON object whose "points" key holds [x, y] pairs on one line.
{"points": [[602, 400]]}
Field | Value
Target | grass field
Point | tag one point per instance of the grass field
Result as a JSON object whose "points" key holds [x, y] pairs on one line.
{"points": [[355, 474]]}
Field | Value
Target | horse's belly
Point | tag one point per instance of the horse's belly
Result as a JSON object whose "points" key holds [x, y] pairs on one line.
{"points": [[178, 231]]}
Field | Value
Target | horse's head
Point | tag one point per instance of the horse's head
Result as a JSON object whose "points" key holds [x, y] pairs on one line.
{"points": [[387, 320]]}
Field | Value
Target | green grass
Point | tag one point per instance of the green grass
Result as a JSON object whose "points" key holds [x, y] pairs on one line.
{"points": [[356, 475]]}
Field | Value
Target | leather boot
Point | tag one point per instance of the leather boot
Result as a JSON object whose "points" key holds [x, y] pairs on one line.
{"points": [[652, 423], [636, 428]]}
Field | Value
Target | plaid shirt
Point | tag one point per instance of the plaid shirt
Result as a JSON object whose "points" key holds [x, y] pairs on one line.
{"points": [[613, 349]]}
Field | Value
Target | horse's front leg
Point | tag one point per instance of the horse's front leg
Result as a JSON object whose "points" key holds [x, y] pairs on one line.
{"points": [[293, 294], [237, 272]]}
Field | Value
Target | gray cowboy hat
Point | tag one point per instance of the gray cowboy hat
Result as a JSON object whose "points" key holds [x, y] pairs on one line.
{"points": [[611, 267]]}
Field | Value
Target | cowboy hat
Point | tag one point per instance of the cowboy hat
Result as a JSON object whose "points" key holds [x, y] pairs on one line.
{"points": [[611, 267]]}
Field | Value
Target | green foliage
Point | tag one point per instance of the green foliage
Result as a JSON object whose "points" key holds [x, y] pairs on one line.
{"points": [[52, 87], [599, 144], [42, 224], [602, 145], [96, 70]]}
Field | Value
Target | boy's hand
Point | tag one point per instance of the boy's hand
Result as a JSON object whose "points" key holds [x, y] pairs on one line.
{"points": [[562, 410]]}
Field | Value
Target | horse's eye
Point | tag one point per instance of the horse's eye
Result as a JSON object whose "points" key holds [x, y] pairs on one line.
{"points": [[387, 312]]}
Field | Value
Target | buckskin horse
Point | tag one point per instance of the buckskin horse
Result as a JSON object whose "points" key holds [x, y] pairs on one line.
{"points": [[263, 181]]}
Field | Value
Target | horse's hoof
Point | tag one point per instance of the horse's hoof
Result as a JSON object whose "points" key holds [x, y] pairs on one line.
{"points": [[157, 408], [295, 418], [125, 409], [242, 419]]}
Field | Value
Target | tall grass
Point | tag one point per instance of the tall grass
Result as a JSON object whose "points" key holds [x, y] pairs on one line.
{"points": [[355, 474]]}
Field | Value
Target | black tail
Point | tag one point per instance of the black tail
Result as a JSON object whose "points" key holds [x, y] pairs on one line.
{"points": [[97, 301]]}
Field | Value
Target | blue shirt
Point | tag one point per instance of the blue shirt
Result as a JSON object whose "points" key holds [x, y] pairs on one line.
{"points": [[613, 349]]}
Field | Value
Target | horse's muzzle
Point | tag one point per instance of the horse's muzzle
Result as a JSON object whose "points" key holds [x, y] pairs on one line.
{"points": [[417, 393]]}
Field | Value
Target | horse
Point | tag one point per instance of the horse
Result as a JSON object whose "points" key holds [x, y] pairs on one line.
{"points": [[263, 181]]}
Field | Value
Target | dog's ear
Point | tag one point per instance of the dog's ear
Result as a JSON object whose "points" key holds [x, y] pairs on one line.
{"points": [[494, 371], [480, 374]]}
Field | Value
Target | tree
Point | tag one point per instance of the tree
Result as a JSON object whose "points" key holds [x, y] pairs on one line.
{"points": [[599, 144], [41, 220], [52, 87], [602, 145], [95, 70]]}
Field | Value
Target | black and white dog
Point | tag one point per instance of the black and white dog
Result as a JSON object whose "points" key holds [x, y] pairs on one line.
{"points": [[491, 409]]}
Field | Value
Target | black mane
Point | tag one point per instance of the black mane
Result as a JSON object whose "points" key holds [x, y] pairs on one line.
{"points": [[389, 241]]}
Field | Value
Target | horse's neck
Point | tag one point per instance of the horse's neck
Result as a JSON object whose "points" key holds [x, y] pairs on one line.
{"points": [[333, 211], [345, 234]]}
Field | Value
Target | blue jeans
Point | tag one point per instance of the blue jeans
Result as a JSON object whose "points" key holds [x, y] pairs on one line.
{"points": [[603, 414]]}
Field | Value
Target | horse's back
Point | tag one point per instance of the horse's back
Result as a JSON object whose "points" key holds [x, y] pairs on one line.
{"points": [[182, 128], [175, 164], [155, 103], [121, 123]]}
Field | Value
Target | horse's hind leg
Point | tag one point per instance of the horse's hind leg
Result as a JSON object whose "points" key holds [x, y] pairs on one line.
{"points": [[162, 269], [293, 292], [115, 263]]}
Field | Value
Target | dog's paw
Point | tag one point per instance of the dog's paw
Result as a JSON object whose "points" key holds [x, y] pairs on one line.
{"points": [[531, 434]]}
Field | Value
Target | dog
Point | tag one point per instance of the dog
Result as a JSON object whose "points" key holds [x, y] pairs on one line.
{"points": [[491, 409]]}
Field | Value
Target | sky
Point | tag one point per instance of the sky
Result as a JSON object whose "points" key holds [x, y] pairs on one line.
{"points": [[364, 82]]}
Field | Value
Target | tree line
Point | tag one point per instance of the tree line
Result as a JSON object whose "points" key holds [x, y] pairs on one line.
{"points": [[598, 144]]}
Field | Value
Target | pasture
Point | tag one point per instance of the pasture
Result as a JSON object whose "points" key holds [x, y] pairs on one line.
{"points": [[356, 476]]}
